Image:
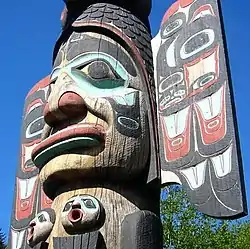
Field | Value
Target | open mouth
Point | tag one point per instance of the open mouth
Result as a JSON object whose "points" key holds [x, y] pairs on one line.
{"points": [[83, 135], [30, 233], [75, 215]]}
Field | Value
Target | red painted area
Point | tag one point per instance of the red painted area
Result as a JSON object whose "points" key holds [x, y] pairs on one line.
{"points": [[72, 105], [37, 102], [174, 8], [41, 84], [206, 7], [24, 152], [24, 207], [185, 3], [214, 53], [214, 129], [46, 202], [79, 130], [179, 146]]}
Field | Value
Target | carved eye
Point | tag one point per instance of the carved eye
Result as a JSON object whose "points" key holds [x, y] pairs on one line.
{"points": [[42, 218], [203, 80], [89, 203], [100, 70], [67, 206]]}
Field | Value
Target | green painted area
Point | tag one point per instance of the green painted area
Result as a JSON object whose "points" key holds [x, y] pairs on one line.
{"points": [[64, 146]]}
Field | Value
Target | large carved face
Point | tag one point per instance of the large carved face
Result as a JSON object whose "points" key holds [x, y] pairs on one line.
{"points": [[82, 214], [40, 227], [96, 115]]}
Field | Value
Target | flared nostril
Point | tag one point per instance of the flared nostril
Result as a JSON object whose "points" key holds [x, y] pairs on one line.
{"points": [[48, 115], [72, 105], [69, 105]]}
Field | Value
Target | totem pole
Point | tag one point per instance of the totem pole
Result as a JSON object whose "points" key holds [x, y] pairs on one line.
{"points": [[113, 124]]}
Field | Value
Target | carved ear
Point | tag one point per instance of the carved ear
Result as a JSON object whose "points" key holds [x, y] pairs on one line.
{"points": [[199, 145]]}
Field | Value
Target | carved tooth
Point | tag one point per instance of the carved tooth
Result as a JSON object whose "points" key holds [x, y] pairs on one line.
{"points": [[195, 175], [176, 123], [27, 187], [17, 238], [223, 163], [27, 152], [211, 106]]}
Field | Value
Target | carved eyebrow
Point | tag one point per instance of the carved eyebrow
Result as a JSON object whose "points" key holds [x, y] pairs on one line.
{"points": [[54, 74], [87, 43], [83, 59]]}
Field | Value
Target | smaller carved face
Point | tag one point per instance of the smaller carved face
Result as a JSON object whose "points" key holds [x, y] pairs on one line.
{"points": [[40, 227], [82, 214]]}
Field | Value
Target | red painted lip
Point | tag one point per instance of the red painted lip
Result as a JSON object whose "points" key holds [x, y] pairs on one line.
{"points": [[30, 233], [75, 215], [79, 130]]}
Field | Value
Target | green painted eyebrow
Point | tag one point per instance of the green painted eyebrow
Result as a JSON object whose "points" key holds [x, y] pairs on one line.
{"points": [[89, 57]]}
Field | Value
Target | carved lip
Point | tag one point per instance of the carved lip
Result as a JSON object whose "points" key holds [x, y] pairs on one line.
{"points": [[30, 233], [84, 135], [75, 215]]}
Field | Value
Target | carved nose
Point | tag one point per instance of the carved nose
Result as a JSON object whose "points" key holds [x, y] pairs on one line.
{"points": [[70, 105], [32, 224], [76, 205]]}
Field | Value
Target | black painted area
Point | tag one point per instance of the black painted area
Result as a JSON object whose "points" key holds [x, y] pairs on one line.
{"points": [[93, 240], [141, 230]]}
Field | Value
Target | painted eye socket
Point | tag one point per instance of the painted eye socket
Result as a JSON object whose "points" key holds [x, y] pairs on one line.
{"points": [[35, 128], [42, 218], [172, 27], [203, 80], [99, 70], [89, 203], [68, 206]]}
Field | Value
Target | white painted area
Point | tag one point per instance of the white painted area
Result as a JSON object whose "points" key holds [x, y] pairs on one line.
{"points": [[223, 163], [176, 123], [195, 175], [211, 106], [205, 12], [17, 238], [185, 10], [209, 32], [169, 177], [27, 152], [30, 135], [179, 23], [170, 54], [26, 187]]}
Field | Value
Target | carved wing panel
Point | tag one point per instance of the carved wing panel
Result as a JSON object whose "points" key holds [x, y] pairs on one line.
{"points": [[199, 147], [29, 198]]}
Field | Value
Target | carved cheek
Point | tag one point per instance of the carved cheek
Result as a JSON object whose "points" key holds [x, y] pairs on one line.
{"points": [[127, 113]]}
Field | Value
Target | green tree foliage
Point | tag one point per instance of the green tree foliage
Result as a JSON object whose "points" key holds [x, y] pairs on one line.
{"points": [[185, 228], [2, 240]]}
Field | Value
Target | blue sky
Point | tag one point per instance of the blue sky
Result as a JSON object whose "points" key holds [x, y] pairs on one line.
{"points": [[28, 32]]}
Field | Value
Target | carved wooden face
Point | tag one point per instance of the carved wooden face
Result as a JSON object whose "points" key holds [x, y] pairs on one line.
{"points": [[40, 228], [96, 115], [82, 214]]}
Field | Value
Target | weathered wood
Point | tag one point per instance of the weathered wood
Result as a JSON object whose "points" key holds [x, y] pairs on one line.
{"points": [[117, 201], [141, 230], [199, 145], [99, 153], [84, 241]]}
